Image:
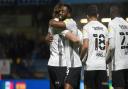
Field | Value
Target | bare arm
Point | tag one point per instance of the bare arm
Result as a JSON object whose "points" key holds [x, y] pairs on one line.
{"points": [[72, 37], [48, 38], [77, 39], [84, 49], [110, 51], [57, 24], [109, 55], [69, 35]]}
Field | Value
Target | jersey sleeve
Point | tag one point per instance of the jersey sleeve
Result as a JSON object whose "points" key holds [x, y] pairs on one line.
{"points": [[70, 25], [67, 23], [110, 31], [63, 33], [49, 29], [111, 35]]}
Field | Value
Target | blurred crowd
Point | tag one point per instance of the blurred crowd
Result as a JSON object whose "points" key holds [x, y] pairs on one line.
{"points": [[26, 55]]}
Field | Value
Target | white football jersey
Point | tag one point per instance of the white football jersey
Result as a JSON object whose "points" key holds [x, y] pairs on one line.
{"points": [[97, 34], [60, 47], [118, 30], [57, 57], [71, 50]]}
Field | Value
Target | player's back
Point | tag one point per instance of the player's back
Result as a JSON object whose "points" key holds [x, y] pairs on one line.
{"points": [[119, 31], [97, 35]]}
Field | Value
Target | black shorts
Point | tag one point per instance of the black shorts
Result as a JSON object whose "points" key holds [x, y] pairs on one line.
{"points": [[96, 79], [61, 75], [120, 78], [73, 77], [57, 76]]}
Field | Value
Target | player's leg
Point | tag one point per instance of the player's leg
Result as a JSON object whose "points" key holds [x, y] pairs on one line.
{"points": [[51, 84], [68, 86], [51, 74], [72, 80], [126, 78], [102, 79], [118, 79], [57, 75], [89, 79]]}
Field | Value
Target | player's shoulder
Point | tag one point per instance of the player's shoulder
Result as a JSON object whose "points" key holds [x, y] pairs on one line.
{"points": [[86, 26], [69, 20], [124, 21], [102, 25], [115, 20]]}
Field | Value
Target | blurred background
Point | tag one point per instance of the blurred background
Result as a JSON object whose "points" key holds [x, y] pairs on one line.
{"points": [[24, 24]]}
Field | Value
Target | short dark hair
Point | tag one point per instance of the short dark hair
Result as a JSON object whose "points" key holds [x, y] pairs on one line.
{"points": [[92, 10], [69, 7], [56, 9], [114, 11]]}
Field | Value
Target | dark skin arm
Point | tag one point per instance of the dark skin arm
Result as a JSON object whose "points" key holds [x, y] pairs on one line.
{"points": [[84, 48], [60, 24], [109, 55], [57, 24], [110, 51], [48, 38]]}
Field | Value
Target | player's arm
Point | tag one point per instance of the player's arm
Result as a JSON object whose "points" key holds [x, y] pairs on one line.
{"points": [[74, 34], [71, 36], [57, 24], [47, 39], [107, 44], [110, 50], [84, 49], [67, 33], [111, 41]]}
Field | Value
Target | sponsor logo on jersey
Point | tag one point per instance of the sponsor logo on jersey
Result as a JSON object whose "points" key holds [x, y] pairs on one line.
{"points": [[97, 28]]}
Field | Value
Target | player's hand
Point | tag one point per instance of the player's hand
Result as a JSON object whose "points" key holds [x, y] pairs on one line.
{"points": [[49, 38], [109, 60], [51, 22]]}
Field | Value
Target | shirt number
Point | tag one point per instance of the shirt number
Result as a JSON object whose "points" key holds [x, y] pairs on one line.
{"points": [[99, 41], [124, 37]]}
